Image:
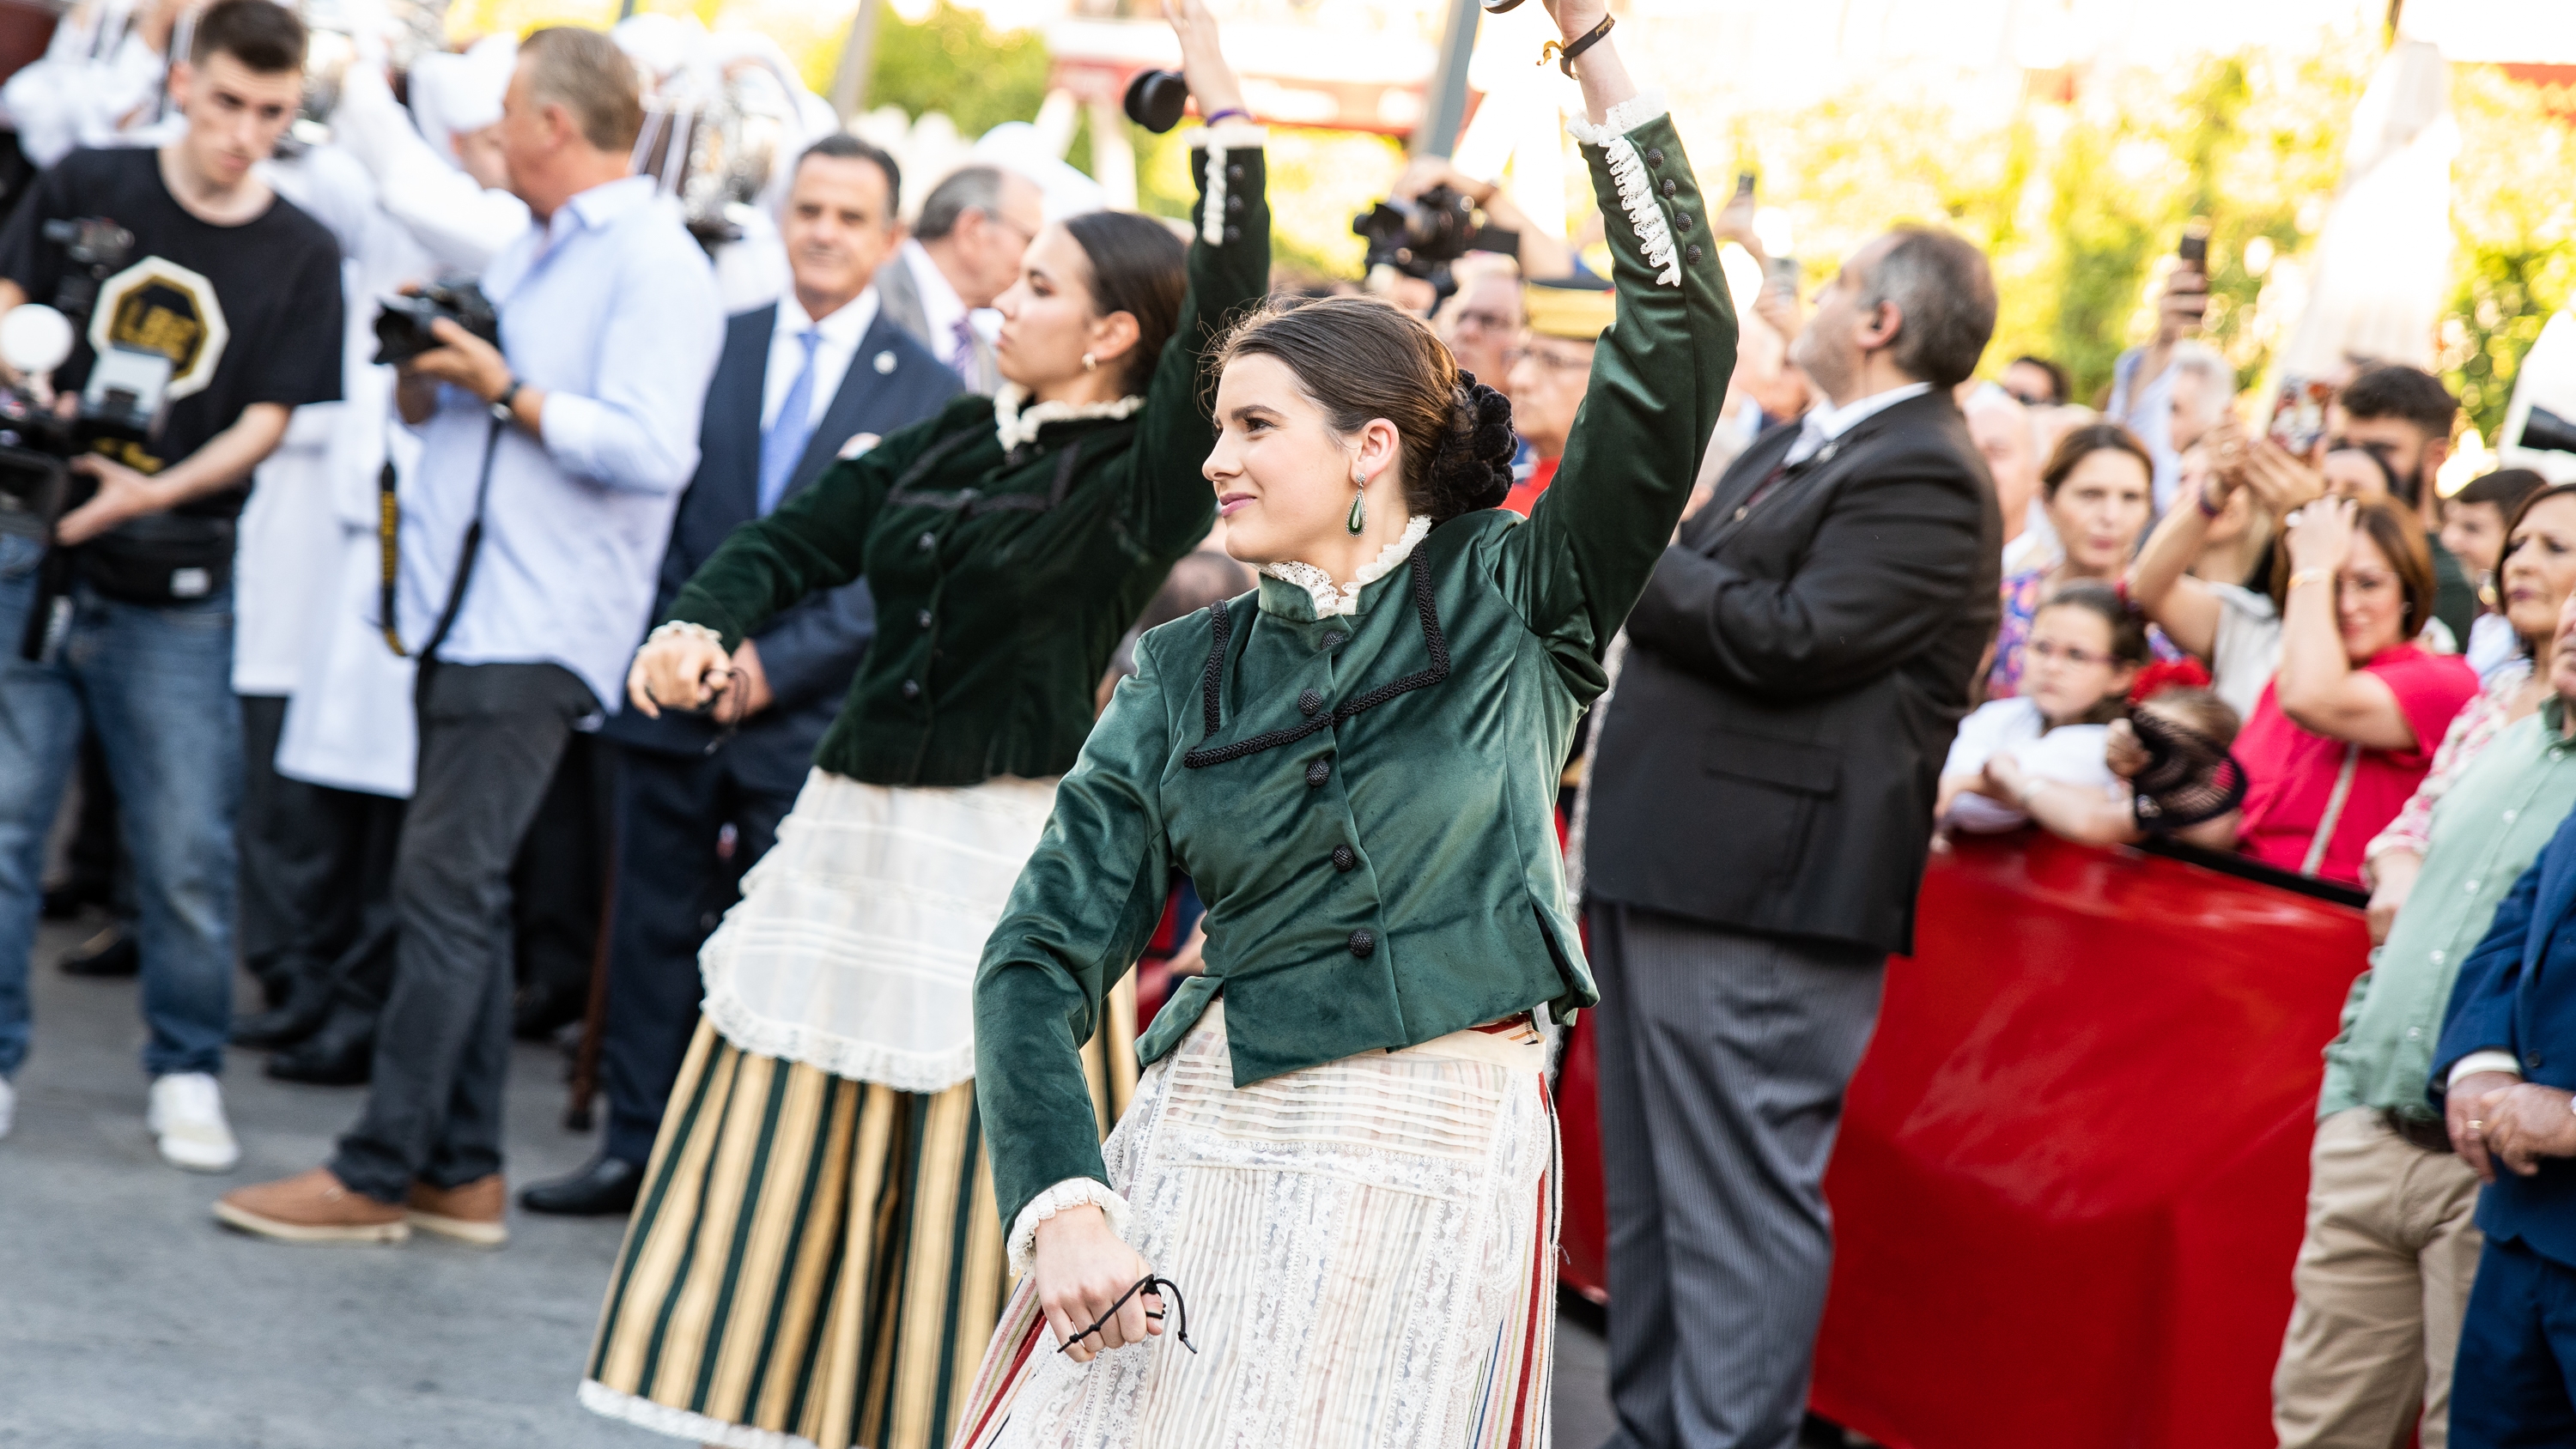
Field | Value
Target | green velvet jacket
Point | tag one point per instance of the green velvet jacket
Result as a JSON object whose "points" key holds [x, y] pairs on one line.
{"points": [[1003, 580], [1366, 803]]}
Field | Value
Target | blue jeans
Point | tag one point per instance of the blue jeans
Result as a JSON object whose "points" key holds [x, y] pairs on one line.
{"points": [[155, 684], [2515, 1383]]}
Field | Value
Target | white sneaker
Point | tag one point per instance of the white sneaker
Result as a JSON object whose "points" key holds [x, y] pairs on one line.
{"points": [[187, 1122], [8, 1106]]}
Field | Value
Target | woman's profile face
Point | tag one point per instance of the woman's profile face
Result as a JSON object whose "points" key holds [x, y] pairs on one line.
{"points": [[2539, 570], [2099, 510], [2067, 666], [1049, 319], [2370, 601], [1282, 475]]}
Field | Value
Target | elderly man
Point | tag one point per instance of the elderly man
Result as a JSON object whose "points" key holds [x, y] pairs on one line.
{"points": [[1551, 370], [555, 461], [2383, 1275], [1761, 812], [2201, 395], [2007, 437], [2502, 1071], [964, 251]]}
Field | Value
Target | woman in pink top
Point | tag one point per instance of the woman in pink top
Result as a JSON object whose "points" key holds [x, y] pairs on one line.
{"points": [[2347, 728]]}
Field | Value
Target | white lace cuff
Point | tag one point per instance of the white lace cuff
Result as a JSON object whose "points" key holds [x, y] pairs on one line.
{"points": [[1628, 169], [2492, 1060], [683, 629], [1073, 1192], [1333, 599], [1219, 139]]}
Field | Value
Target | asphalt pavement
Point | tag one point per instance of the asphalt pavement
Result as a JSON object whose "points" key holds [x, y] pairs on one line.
{"points": [[130, 1320]]}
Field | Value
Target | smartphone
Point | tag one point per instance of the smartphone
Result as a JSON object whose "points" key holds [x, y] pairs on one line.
{"points": [[2194, 250], [1782, 272], [2299, 414], [1743, 185]]}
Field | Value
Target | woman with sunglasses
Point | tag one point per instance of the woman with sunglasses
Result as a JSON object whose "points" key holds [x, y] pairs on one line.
{"points": [[1341, 1150]]}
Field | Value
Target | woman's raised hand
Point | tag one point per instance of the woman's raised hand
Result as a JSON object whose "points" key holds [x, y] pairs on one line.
{"points": [[1081, 1267], [679, 670], [2320, 534], [1211, 80]]}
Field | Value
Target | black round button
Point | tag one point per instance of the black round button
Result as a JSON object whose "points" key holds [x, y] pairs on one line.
{"points": [[1682, 220], [1363, 943], [1334, 638], [1654, 156], [1692, 255], [922, 618], [1671, 186], [1318, 772], [912, 689], [928, 541], [1309, 702], [1234, 172], [1345, 858], [1234, 233], [1234, 206]]}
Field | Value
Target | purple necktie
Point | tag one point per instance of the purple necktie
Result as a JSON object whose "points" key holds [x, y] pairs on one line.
{"points": [[963, 360]]}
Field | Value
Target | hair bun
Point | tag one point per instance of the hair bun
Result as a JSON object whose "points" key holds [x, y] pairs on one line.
{"points": [[1473, 468]]}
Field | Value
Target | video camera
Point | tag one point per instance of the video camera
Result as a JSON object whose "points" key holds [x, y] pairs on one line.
{"points": [[123, 398], [402, 321], [1421, 237]]}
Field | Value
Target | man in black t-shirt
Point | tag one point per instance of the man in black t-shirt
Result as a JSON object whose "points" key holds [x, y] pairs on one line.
{"points": [[230, 301]]}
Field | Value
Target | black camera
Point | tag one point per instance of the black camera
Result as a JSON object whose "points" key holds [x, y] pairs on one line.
{"points": [[1421, 237], [402, 321]]}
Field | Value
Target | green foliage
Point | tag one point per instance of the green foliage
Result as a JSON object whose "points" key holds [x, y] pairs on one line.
{"points": [[954, 62], [2514, 221]]}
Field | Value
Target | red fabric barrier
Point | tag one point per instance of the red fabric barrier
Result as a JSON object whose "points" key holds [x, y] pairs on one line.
{"points": [[2073, 1165]]}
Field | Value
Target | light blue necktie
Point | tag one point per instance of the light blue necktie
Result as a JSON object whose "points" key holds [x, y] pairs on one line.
{"points": [[785, 441]]}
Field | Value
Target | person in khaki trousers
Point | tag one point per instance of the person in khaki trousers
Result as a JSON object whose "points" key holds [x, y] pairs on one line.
{"points": [[2383, 1275]]}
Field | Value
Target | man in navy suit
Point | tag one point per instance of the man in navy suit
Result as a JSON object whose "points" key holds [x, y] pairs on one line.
{"points": [[817, 377], [2503, 1074]]}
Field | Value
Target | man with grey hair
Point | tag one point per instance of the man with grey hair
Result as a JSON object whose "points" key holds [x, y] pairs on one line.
{"points": [[1795, 670], [964, 251]]}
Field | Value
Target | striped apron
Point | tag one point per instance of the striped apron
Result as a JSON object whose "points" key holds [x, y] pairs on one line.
{"points": [[1366, 1252]]}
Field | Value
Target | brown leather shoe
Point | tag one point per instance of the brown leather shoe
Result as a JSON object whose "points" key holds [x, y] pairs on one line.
{"points": [[469, 1213], [311, 1207]]}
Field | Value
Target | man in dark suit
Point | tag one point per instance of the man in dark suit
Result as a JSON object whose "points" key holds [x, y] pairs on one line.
{"points": [[2502, 1072], [1761, 809], [817, 377]]}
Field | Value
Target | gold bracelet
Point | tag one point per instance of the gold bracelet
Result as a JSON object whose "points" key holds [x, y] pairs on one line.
{"points": [[2311, 576]]}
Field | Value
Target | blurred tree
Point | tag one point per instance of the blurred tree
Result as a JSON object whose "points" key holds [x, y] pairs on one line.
{"points": [[2515, 220], [951, 61]]}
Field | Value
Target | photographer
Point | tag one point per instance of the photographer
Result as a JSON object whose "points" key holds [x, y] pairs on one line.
{"points": [[240, 292], [550, 469]]}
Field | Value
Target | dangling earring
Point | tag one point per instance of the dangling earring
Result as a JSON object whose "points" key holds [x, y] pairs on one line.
{"points": [[1090, 363], [1359, 512]]}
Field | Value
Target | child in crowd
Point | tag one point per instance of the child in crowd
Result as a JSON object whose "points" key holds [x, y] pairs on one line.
{"points": [[2085, 649], [2169, 756]]}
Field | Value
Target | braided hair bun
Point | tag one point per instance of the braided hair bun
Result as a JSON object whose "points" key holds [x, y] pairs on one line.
{"points": [[1472, 468]]}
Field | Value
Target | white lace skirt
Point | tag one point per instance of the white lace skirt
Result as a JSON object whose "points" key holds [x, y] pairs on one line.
{"points": [[1366, 1251], [854, 946]]}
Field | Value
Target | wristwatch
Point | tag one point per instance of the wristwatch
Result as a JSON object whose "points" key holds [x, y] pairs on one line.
{"points": [[501, 404]]}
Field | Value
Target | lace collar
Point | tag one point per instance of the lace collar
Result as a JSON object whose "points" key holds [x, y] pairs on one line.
{"points": [[1016, 425], [1344, 599]]}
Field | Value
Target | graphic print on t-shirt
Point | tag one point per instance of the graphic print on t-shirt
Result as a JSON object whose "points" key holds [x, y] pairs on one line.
{"points": [[159, 306]]}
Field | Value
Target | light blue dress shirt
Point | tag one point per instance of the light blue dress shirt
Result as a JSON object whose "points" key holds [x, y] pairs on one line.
{"points": [[611, 310]]}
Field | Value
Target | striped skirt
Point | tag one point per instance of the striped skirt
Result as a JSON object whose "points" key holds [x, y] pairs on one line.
{"points": [[814, 1262], [1365, 1250]]}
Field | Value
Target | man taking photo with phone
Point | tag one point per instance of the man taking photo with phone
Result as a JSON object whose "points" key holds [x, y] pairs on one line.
{"points": [[238, 293]]}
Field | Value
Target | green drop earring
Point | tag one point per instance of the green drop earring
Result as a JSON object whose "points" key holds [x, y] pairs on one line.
{"points": [[1359, 512]]}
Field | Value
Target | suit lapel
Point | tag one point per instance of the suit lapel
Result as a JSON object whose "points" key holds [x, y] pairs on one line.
{"points": [[852, 407], [1736, 484], [742, 384]]}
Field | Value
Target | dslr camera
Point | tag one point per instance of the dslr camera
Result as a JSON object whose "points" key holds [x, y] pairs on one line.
{"points": [[1421, 237], [403, 319]]}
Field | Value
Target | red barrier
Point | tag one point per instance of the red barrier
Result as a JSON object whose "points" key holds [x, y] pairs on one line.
{"points": [[2073, 1166]]}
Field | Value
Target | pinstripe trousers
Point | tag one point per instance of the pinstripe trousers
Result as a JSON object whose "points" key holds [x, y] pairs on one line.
{"points": [[1723, 1062]]}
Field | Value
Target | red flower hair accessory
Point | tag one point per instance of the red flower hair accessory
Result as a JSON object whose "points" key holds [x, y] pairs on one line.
{"points": [[2164, 674]]}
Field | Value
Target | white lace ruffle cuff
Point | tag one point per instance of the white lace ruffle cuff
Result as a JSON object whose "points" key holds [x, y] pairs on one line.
{"points": [[1628, 169], [1333, 599], [1073, 1192], [1015, 424], [683, 629]]}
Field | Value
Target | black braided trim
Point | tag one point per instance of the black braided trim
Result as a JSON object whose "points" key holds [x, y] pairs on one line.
{"points": [[1223, 620], [1437, 642]]}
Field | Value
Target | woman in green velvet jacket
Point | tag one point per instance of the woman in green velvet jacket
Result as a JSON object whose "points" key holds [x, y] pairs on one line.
{"points": [[1340, 1154], [815, 1254]]}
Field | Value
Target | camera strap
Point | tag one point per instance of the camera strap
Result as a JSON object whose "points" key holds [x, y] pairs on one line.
{"points": [[389, 550]]}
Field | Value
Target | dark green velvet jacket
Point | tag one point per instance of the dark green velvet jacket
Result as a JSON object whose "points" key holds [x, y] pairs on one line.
{"points": [[1003, 581], [1365, 803]]}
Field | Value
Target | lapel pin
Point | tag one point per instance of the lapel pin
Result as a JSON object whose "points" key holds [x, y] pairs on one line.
{"points": [[859, 442], [885, 362]]}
